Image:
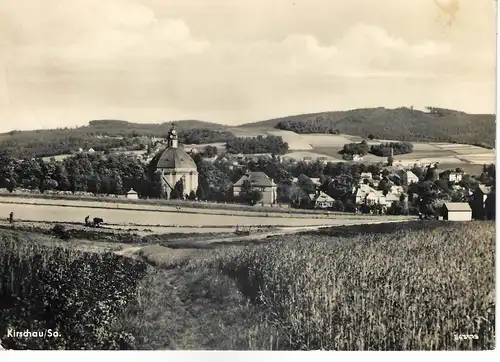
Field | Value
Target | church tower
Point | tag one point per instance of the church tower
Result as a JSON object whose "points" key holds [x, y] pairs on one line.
{"points": [[177, 167], [173, 138]]}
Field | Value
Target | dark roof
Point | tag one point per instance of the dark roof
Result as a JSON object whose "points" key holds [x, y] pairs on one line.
{"points": [[457, 206], [176, 158], [256, 178]]}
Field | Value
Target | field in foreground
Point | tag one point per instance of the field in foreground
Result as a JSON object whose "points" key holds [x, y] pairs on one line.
{"points": [[411, 287]]}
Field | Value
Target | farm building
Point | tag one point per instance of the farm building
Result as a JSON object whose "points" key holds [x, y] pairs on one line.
{"points": [[176, 167], [456, 211], [261, 181], [366, 194], [132, 195]]}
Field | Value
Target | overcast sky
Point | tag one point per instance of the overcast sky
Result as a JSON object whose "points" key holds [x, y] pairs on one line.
{"points": [[65, 62]]}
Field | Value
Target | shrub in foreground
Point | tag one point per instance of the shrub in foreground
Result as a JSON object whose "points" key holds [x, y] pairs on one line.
{"points": [[77, 294]]}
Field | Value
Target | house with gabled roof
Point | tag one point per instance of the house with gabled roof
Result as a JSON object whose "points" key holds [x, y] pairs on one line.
{"points": [[366, 194], [259, 180], [411, 178], [396, 190], [322, 201]]}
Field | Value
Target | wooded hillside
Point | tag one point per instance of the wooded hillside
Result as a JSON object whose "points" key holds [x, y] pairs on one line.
{"points": [[401, 124]]}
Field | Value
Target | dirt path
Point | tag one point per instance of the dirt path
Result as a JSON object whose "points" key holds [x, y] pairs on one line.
{"points": [[264, 235], [129, 251]]}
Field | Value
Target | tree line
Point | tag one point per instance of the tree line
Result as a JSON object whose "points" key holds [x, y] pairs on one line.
{"points": [[382, 150], [259, 144], [118, 173]]}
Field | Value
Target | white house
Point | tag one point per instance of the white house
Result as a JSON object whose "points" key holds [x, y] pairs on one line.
{"points": [[367, 194], [260, 181], [411, 177], [455, 177], [322, 201]]}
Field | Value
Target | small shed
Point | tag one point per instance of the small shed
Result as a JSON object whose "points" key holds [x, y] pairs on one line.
{"points": [[132, 194], [457, 211]]}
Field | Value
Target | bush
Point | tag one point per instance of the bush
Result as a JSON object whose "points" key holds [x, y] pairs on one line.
{"points": [[78, 295]]}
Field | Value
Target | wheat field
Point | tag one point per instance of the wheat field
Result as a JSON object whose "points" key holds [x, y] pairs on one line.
{"points": [[410, 290]]}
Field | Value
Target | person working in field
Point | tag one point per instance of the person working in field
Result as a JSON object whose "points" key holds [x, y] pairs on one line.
{"points": [[11, 218]]}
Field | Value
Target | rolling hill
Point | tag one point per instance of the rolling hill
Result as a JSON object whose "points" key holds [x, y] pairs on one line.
{"points": [[439, 125], [150, 129], [51, 142]]}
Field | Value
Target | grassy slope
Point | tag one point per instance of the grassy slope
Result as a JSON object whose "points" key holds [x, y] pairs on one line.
{"points": [[401, 124], [375, 287]]}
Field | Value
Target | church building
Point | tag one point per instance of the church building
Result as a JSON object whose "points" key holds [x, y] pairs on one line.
{"points": [[177, 167]]}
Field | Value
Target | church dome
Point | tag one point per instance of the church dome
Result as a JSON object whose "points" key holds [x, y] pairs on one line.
{"points": [[176, 158]]}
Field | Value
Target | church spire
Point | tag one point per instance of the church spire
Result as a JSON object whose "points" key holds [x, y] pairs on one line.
{"points": [[173, 138]]}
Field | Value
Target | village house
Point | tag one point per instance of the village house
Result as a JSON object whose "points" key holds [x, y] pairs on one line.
{"points": [[321, 200], [211, 159], [315, 180], [411, 177], [368, 177], [366, 194], [396, 190], [456, 211], [357, 158], [259, 180], [390, 198], [455, 177]]}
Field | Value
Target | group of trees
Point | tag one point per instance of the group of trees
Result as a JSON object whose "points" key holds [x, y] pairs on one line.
{"points": [[203, 135], [304, 127], [259, 144], [384, 149], [351, 149], [113, 174]]}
